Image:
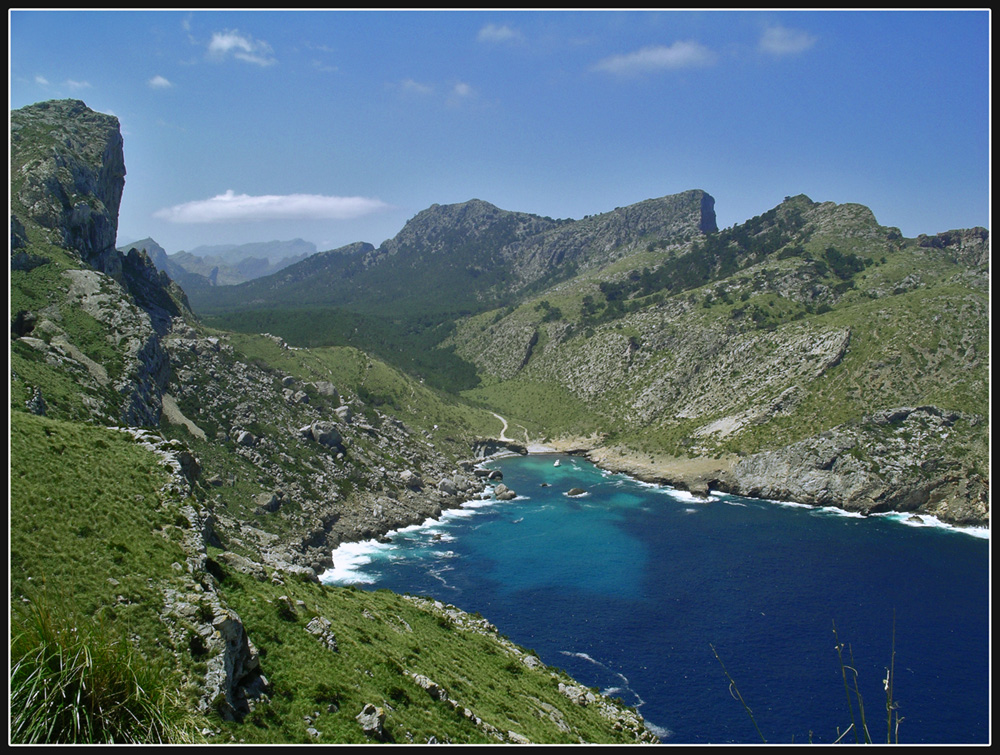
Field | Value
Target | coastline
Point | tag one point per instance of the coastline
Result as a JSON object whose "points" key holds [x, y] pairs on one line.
{"points": [[694, 474], [699, 476]]}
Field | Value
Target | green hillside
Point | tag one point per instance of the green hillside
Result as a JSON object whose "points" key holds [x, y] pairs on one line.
{"points": [[177, 489]]}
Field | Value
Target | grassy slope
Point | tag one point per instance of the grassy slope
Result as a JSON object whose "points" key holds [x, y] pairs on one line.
{"points": [[93, 534], [383, 640]]}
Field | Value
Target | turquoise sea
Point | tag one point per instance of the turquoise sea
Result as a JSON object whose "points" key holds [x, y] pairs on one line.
{"points": [[634, 588]]}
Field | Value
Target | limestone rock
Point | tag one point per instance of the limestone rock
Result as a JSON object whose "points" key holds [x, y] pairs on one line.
{"points": [[502, 493], [433, 689], [372, 721], [326, 434], [320, 628]]}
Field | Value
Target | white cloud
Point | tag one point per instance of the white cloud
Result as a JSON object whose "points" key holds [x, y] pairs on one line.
{"points": [[415, 87], [461, 89], [319, 65], [233, 208], [242, 47], [77, 84], [686, 54], [39, 79], [494, 33], [778, 40], [159, 82]]}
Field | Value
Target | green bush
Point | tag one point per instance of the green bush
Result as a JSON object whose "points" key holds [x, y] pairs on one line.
{"points": [[77, 682]]}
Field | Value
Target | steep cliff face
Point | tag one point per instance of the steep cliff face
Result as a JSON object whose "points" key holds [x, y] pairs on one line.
{"points": [[601, 239], [969, 246], [67, 175], [96, 314]]}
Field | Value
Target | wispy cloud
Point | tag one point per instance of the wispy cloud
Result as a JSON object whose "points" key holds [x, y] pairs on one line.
{"points": [[242, 47], [39, 79], [415, 87], [461, 89], [77, 84], [232, 208], [159, 82], [681, 54], [779, 40], [319, 65], [499, 34]]}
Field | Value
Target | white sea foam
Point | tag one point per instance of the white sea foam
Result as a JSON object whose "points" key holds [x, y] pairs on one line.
{"points": [[926, 520], [660, 731], [910, 519], [685, 496], [350, 558], [584, 656], [348, 562]]}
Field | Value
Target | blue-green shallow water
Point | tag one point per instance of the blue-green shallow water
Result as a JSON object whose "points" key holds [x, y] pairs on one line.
{"points": [[629, 587]]}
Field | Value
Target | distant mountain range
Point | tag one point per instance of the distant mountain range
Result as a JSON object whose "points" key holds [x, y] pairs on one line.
{"points": [[481, 255], [225, 264]]}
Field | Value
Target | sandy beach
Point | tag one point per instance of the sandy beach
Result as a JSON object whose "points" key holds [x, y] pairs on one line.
{"points": [[695, 474]]}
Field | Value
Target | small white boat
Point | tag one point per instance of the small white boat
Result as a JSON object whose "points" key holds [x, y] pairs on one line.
{"points": [[556, 464]]}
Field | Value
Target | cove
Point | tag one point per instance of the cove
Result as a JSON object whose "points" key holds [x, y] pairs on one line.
{"points": [[630, 586]]}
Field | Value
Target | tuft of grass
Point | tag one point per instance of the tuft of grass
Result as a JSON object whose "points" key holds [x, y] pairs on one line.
{"points": [[855, 702], [859, 723], [76, 682], [735, 692]]}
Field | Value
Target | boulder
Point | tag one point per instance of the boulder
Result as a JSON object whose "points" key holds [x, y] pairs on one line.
{"points": [[372, 720], [268, 502], [326, 434], [319, 627], [433, 689], [410, 479], [503, 493], [327, 389]]}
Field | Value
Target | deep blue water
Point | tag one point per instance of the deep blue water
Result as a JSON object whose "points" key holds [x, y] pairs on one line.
{"points": [[629, 588]]}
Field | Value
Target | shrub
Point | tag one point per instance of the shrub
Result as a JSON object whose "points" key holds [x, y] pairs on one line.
{"points": [[76, 682]]}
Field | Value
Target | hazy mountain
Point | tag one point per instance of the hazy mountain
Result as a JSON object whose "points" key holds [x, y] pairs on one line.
{"points": [[481, 255], [226, 264]]}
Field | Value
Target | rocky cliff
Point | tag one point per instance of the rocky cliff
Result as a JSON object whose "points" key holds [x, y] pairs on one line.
{"points": [[67, 176], [895, 460], [755, 342]]}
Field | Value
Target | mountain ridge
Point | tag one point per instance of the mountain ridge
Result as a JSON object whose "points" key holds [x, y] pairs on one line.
{"points": [[482, 253]]}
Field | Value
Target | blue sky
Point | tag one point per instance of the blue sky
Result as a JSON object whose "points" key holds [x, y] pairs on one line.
{"points": [[340, 126]]}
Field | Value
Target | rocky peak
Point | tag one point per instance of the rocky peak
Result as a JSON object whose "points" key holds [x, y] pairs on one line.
{"points": [[441, 227], [156, 253], [969, 246], [67, 176]]}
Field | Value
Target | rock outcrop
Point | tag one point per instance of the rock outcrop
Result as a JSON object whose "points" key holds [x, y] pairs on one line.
{"points": [[68, 174], [894, 460]]}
